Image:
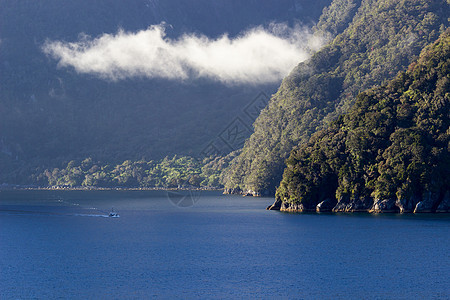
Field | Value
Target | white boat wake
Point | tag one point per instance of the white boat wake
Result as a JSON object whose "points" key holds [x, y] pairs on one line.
{"points": [[14, 212]]}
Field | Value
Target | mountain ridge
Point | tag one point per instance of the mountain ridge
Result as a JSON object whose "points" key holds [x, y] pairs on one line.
{"points": [[389, 153], [382, 38]]}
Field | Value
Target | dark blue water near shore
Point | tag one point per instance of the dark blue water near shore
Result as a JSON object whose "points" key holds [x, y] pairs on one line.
{"points": [[61, 244]]}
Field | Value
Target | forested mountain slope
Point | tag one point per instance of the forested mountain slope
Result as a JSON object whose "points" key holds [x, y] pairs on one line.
{"points": [[381, 37], [390, 152]]}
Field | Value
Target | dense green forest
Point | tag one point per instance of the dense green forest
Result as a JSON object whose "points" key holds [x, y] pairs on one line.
{"points": [[390, 152], [375, 40], [174, 172]]}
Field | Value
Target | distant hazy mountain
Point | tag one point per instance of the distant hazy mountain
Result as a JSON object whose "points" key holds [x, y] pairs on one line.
{"points": [[50, 114]]}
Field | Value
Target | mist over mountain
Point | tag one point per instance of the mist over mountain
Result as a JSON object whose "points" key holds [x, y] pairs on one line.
{"points": [[245, 59], [58, 102]]}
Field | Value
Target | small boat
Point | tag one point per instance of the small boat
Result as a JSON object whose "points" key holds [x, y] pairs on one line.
{"points": [[113, 214]]}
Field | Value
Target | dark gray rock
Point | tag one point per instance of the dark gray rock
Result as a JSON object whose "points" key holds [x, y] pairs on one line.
{"points": [[428, 203], [292, 207], [444, 206], [407, 205], [325, 206], [251, 193], [346, 205], [232, 191], [362, 205], [340, 207], [275, 206], [383, 206]]}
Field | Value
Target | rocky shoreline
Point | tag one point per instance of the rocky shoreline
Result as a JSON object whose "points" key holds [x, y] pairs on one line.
{"points": [[428, 203], [248, 193]]}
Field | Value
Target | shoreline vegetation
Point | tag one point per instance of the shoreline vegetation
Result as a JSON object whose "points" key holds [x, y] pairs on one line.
{"points": [[11, 187], [389, 153], [177, 172]]}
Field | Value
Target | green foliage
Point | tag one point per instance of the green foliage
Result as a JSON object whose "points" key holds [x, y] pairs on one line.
{"points": [[381, 38], [392, 144], [175, 172], [337, 16]]}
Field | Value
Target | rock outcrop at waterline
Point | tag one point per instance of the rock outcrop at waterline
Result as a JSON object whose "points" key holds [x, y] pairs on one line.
{"points": [[389, 153], [428, 204], [251, 193]]}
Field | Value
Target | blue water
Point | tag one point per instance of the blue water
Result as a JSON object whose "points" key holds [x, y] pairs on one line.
{"points": [[61, 244]]}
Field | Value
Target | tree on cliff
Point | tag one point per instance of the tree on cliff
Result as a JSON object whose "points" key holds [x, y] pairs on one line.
{"points": [[389, 152], [379, 39]]}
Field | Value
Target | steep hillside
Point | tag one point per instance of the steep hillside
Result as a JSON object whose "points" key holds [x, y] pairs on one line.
{"points": [[381, 37], [389, 153], [50, 115]]}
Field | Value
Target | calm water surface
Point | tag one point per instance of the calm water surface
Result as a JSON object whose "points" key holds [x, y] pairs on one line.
{"points": [[61, 244]]}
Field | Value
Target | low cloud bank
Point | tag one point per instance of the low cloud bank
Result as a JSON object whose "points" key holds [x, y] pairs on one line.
{"points": [[256, 56]]}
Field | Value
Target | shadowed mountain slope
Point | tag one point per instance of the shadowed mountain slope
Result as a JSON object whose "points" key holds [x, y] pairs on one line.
{"points": [[379, 39]]}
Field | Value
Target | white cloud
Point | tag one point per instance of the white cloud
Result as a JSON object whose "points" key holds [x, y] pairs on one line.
{"points": [[257, 56]]}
